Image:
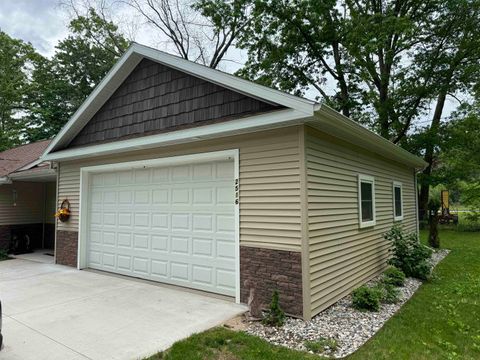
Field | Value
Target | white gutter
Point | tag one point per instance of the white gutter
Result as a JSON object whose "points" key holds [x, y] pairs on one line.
{"points": [[4, 180], [320, 117], [271, 120], [338, 125], [32, 175]]}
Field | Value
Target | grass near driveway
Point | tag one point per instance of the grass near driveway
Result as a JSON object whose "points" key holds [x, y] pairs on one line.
{"points": [[441, 321]]}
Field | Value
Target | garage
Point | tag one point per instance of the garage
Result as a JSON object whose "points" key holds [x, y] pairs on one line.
{"points": [[169, 220]]}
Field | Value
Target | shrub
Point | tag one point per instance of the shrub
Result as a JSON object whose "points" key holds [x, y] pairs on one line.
{"points": [[390, 293], [320, 345], [394, 276], [366, 298], [3, 255], [275, 316], [422, 270], [408, 254]]}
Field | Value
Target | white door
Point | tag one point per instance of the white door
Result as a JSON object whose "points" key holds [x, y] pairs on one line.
{"points": [[173, 224]]}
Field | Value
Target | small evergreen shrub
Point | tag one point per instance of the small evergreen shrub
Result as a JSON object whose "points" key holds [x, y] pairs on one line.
{"points": [[275, 316], [390, 293], [366, 298], [408, 254], [422, 270], [321, 345], [394, 276]]}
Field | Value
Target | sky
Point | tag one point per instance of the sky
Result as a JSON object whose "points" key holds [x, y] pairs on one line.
{"points": [[40, 22]]}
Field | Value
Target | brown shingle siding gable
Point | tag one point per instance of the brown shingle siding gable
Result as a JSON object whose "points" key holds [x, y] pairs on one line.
{"points": [[155, 98]]}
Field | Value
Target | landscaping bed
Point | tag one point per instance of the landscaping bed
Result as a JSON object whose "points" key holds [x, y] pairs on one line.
{"points": [[340, 330]]}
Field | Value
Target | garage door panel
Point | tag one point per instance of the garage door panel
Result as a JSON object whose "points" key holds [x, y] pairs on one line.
{"points": [[174, 224]]}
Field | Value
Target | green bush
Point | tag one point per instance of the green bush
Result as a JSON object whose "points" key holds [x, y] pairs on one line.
{"points": [[3, 255], [408, 254], [275, 316], [394, 276], [321, 345], [366, 298], [390, 293]]}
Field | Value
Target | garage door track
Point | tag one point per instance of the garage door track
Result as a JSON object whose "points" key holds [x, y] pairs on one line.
{"points": [[55, 312]]}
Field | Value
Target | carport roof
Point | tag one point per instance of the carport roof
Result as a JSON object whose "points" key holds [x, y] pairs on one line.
{"points": [[15, 159]]}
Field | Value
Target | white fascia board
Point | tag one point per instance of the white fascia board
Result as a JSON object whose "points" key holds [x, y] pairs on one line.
{"points": [[30, 165], [330, 121], [117, 74], [31, 175], [130, 59], [5, 180], [271, 120]]}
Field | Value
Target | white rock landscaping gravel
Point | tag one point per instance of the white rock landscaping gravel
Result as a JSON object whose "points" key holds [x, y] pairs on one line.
{"points": [[349, 327]]}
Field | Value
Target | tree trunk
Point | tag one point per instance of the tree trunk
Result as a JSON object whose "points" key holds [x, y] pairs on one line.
{"points": [[430, 153]]}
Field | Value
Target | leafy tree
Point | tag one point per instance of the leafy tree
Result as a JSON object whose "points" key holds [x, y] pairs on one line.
{"points": [[16, 58], [363, 47], [453, 51], [459, 155], [61, 84]]}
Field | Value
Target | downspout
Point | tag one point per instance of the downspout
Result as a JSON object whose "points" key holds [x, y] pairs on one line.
{"points": [[44, 213], [415, 174]]}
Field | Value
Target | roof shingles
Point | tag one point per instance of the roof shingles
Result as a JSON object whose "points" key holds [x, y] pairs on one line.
{"points": [[13, 159]]}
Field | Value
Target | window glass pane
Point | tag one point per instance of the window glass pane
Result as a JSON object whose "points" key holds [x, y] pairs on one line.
{"points": [[366, 191], [398, 201], [367, 211], [366, 199]]}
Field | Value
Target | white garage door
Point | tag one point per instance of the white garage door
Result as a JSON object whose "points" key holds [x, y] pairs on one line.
{"points": [[172, 224]]}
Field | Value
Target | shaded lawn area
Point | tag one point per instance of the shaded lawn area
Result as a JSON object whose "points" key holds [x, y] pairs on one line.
{"points": [[441, 321]]}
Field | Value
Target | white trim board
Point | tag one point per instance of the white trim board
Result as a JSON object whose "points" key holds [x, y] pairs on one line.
{"points": [[270, 120], [85, 173], [397, 184], [370, 180]]}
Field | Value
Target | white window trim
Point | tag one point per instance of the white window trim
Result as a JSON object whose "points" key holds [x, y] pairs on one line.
{"points": [[395, 185], [371, 180], [86, 172]]}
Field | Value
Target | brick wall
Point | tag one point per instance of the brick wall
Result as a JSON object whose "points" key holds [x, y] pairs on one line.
{"points": [[66, 249], [273, 270], [4, 237]]}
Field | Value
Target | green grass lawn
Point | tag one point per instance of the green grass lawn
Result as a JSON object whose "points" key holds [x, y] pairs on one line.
{"points": [[441, 321]]}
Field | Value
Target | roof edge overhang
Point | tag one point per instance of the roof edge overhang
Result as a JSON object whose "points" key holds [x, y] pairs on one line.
{"points": [[297, 111], [34, 175], [320, 117], [4, 180], [132, 57], [332, 122]]}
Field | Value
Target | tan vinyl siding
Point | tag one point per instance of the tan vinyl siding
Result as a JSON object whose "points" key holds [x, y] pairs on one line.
{"points": [[342, 255], [270, 213], [29, 206], [50, 199]]}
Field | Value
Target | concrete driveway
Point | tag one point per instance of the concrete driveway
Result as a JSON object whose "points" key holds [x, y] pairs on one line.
{"points": [[55, 312]]}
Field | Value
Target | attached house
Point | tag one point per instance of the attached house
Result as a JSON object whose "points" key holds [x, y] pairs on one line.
{"points": [[27, 197], [185, 175]]}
